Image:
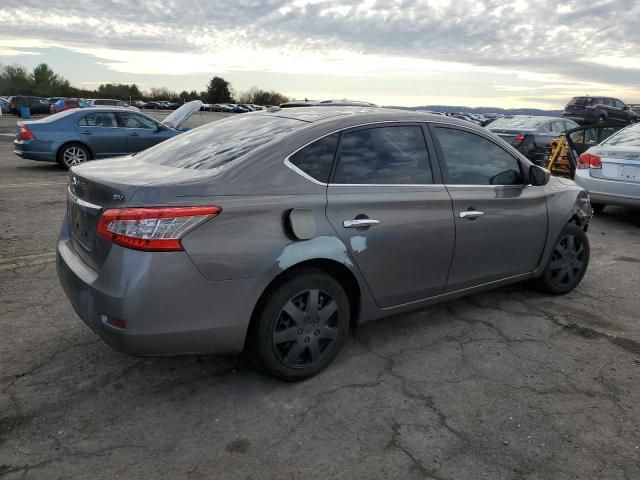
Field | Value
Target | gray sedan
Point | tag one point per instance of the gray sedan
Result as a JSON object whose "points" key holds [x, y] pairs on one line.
{"points": [[611, 170], [78, 135], [275, 232], [532, 135]]}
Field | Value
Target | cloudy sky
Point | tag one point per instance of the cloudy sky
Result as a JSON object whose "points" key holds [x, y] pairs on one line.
{"points": [[506, 53]]}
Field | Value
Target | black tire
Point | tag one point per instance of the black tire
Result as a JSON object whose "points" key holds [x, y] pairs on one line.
{"points": [[598, 207], [568, 262], [286, 340], [73, 154]]}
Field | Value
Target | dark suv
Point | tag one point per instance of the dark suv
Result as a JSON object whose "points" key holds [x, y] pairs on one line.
{"points": [[599, 110], [35, 104]]}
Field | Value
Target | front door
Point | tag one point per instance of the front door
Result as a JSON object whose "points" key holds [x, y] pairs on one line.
{"points": [[501, 223], [141, 131], [396, 222]]}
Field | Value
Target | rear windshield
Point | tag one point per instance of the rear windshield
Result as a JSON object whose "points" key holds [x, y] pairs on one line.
{"points": [[517, 123], [629, 137], [581, 101], [220, 142]]}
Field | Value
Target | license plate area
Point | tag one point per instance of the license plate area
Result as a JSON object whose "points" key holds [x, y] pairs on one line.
{"points": [[82, 226]]}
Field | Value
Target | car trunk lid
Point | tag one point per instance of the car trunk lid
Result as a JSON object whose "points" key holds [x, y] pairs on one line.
{"points": [[619, 163], [96, 186]]}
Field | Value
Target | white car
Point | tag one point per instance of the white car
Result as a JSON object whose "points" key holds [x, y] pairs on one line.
{"points": [[109, 102], [610, 171]]}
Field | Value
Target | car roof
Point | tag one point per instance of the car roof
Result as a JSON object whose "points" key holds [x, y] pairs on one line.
{"points": [[357, 115]]}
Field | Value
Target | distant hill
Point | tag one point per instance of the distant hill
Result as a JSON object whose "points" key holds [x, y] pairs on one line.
{"points": [[504, 111]]}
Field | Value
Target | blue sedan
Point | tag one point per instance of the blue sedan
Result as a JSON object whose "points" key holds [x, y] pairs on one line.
{"points": [[81, 134]]}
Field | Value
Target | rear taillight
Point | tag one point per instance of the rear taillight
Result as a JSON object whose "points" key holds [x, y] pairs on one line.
{"points": [[519, 138], [589, 160], [152, 229], [26, 134]]}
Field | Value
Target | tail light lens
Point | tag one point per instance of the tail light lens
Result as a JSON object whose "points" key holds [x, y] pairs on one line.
{"points": [[26, 134], [152, 229], [589, 160], [519, 138]]}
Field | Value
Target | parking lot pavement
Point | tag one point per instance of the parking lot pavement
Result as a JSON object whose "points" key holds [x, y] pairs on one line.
{"points": [[510, 384]]}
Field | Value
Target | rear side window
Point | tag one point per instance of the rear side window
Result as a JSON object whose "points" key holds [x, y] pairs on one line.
{"points": [[384, 155], [473, 160], [102, 119], [218, 143], [316, 159]]}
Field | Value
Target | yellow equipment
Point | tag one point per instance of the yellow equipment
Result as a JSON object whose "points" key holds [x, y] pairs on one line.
{"points": [[560, 161]]}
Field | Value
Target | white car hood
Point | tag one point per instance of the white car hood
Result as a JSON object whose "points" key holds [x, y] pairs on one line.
{"points": [[182, 114]]}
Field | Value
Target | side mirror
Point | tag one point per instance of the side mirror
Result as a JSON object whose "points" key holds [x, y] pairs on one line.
{"points": [[538, 176], [162, 128]]}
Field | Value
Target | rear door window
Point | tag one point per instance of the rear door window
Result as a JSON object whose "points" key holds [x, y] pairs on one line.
{"points": [[471, 159], [384, 155], [316, 159]]}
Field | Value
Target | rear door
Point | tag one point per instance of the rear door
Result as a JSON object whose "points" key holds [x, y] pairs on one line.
{"points": [[100, 131], [141, 132], [386, 203], [501, 223]]}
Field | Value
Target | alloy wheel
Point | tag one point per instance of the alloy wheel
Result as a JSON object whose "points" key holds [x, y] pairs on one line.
{"points": [[306, 328], [568, 260], [74, 156]]}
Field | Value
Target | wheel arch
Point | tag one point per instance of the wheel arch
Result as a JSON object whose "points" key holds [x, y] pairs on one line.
{"points": [[74, 142], [337, 270]]}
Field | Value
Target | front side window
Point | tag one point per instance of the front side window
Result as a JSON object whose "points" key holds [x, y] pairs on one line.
{"points": [[132, 120], [384, 155], [102, 119], [474, 160], [316, 159]]}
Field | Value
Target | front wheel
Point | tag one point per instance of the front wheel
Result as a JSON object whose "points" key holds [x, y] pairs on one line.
{"points": [[568, 262], [300, 325]]}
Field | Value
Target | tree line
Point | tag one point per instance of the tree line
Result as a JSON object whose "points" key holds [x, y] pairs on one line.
{"points": [[43, 81]]}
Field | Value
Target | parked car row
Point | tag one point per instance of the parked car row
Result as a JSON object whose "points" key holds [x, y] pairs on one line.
{"points": [[42, 105], [231, 107]]}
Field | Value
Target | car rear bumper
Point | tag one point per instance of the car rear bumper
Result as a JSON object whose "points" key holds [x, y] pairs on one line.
{"points": [[168, 306], [609, 192], [26, 150]]}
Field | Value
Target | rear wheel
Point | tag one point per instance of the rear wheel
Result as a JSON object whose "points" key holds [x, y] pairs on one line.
{"points": [[598, 207], [300, 325], [568, 262], [73, 154]]}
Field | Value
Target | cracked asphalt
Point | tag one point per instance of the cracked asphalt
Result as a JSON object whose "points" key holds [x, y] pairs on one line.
{"points": [[510, 384]]}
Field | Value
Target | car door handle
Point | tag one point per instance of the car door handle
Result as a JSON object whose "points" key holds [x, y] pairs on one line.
{"points": [[360, 223], [471, 214], [86, 132], [133, 134]]}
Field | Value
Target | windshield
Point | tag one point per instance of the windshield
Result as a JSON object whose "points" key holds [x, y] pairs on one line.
{"points": [[220, 142], [629, 137], [517, 123]]}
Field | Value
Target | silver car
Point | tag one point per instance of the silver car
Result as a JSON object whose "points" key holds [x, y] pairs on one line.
{"points": [[275, 232], [610, 171]]}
